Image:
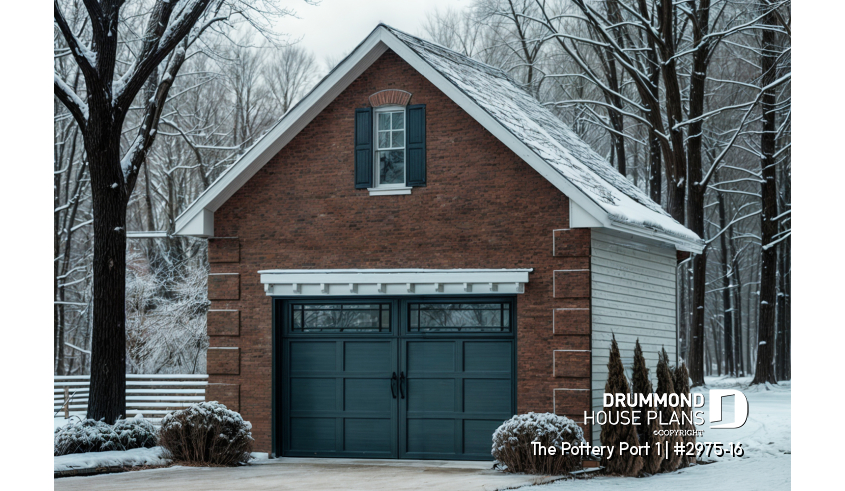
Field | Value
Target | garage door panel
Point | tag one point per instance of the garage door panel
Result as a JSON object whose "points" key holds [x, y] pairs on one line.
{"points": [[362, 356], [487, 356], [370, 395], [313, 434], [454, 405], [349, 397], [313, 356], [478, 436], [487, 395], [368, 435], [431, 436], [431, 395], [430, 356], [313, 394]]}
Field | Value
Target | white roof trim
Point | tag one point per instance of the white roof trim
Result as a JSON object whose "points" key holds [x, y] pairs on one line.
{"points": [[344, 74], [189, 223], [320, 282]]}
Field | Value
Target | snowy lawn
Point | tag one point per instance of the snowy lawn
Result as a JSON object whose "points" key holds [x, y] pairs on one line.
{"points": [[116, 458], [127, 458], [766, 438]]}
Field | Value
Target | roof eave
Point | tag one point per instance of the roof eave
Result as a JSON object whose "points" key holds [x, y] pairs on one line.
{"points": [[680, 243], [198, 220]]}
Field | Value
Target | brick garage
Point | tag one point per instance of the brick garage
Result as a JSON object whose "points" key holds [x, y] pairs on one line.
{"points": [[482, 207]]}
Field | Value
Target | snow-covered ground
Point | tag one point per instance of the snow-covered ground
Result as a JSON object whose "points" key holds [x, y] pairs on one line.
{"points": [[134, 457], [766, 438]]}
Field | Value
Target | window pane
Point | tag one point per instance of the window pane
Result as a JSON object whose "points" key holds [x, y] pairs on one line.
{"points": [[383, 139], [398, 121], [398, 139], [347, 318], [391, 165], [460, 317], [384, 121]]}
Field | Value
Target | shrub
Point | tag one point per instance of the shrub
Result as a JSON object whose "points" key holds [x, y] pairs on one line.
{"points": [[680, 380], [85, 435], [648, 431], [513, 451], [206, 433], [666, 385], [135, 433], [613, 435]]}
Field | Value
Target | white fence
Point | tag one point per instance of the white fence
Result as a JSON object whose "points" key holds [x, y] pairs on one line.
{"points": [[150, 395]]}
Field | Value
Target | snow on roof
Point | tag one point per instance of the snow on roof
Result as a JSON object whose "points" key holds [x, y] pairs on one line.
{"points": [[504, 108], [549, 137]]}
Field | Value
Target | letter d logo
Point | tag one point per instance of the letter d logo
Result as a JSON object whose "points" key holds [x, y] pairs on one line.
{"points": [[740, 408]]}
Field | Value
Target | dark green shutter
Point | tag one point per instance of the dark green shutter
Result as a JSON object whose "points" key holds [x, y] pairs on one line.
{"points": [[416, 145], [364, 148]]}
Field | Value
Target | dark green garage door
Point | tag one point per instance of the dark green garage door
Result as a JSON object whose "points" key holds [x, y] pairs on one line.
{"points": [[405, 378]]}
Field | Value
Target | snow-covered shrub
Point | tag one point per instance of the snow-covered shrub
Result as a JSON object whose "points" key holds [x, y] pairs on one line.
{"points": [[513, 451], [206, 433], [135, 433], [85, 435]]}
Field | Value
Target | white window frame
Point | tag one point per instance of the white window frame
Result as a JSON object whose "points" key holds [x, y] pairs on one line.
{"points": [[378, 188]]}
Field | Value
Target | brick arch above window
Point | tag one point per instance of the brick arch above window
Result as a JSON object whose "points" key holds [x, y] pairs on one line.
{"points": [[390, 97]]}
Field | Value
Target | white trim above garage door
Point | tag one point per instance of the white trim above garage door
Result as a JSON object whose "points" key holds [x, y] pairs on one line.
{"points": [[283, 282]]}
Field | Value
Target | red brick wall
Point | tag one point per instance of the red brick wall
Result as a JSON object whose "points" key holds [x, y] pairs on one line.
{"points": [[223, 361], [483, 207]]}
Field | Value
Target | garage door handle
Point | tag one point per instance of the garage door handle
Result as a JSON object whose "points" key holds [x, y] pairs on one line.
{"points": [[393, 385], [401, 383]]}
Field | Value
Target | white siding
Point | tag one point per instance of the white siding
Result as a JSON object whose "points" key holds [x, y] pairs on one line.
{"points": [[633, 296]]}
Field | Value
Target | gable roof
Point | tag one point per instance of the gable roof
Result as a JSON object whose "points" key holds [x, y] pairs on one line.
{"points": [[507, 111]]}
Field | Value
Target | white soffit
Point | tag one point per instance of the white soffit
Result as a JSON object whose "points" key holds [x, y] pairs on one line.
{"points": [[310, 282], [578, 218]]}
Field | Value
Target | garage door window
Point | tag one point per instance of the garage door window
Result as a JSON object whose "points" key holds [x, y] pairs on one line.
{"points": [[340, 317], [460, 317]]}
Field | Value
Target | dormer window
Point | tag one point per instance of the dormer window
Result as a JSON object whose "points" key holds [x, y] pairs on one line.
{"points": [[390, 148], [390, 144]]}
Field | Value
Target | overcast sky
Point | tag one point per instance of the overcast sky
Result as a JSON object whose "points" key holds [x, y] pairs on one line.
{"points": [[334, 27]]}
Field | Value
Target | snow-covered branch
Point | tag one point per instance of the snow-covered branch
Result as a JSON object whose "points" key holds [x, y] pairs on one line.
{"points": [[74, 104]]}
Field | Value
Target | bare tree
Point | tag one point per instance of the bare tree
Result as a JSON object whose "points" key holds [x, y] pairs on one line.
{"points": [[677, 87], [769, 55], [118, 60], [290, 74]]}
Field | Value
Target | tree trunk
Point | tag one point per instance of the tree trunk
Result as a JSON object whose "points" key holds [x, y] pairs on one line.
{"points": [[655, 182], [697, 188], [737, 306], [748, 324], [107, 396], [699, 272], [727, 285], [654, 163], [768, 226], [696, 341], [676, 166], [784, 367], [58, 308], [717, 351], [616, 119], [787, 312], [780, 337], [683, 332]]}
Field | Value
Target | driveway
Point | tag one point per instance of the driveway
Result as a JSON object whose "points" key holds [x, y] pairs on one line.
{"points": [[312, 474]]}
